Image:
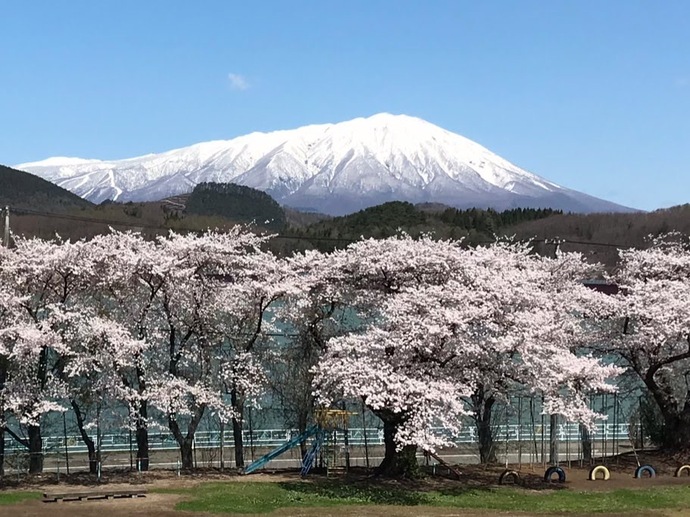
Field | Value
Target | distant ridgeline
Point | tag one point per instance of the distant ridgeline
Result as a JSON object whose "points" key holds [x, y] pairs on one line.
{"points": [[24, 190], [388, 219], [237, 203]]}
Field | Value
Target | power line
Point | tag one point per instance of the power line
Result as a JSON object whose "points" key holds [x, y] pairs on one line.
{"points": [[68, 217]]}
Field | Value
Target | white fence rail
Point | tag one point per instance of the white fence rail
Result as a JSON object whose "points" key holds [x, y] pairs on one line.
{"points": [[123, 442]]}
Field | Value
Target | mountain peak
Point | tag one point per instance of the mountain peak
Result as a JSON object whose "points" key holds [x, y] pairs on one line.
{"points": [[333, 168]]}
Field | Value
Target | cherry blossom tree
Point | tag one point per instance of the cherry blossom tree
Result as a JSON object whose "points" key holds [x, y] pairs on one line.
{"points": [[172, 323], [200, 302], [309, 315], [127, 286], [244, 320], [47, 276], [649, 324], [99, 351], [10, 310], [444, 320]]}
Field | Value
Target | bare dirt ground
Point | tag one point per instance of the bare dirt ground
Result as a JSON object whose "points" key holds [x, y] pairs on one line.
{"points": [[162, 505]]}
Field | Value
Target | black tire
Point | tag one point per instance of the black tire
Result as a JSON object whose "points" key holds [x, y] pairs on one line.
{"points": [[554, 470], [508, 474]]}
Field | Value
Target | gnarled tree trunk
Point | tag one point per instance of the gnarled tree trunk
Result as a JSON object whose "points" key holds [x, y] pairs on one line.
{"points": [[676, 417], [676, 430], [397, 463]]}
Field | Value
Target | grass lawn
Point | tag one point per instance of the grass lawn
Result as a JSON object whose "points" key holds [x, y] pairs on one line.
{"points": [[266, 497], [17, 497]]}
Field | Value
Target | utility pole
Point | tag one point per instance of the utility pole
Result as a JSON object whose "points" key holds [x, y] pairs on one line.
{"points": [[6, 240]]}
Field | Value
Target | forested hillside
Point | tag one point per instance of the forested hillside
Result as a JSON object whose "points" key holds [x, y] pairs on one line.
{"points": [[39, 208], [24, 190], [600, 235], [237, 203], [475, 225]]}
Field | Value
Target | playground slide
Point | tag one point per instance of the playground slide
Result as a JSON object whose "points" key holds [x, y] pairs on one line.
{"points": [[310, 456], [263, 460], [441, 461]]}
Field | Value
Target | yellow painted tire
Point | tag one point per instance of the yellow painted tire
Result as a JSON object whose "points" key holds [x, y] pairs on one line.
{"points": [[599, 468], [682, 469]]}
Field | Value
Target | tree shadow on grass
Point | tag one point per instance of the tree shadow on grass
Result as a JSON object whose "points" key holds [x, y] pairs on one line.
{"points": [[359, 493], [368, 492]]}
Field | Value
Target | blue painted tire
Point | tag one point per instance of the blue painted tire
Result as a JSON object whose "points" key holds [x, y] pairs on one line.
{"points": [[507, 474], [639, 471], [554, 470]]}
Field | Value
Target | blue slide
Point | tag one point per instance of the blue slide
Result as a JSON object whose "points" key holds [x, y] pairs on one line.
{"points": [[263, 460], [310, 456]]}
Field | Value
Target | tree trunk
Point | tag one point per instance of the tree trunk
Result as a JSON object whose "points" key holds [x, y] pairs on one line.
{"points": [[35, 449], [483, 407], [553, 440], [187, 453], [302, 418], [2, 451], [676, 431], [186, 441], [221, 450], [90, 445], [142, 436], [586, 439], [396, 463], [3, 378], [676, 427], [237, 424]]}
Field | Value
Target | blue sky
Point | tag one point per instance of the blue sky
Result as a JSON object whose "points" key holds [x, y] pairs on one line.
{"points": [[594, 95]]}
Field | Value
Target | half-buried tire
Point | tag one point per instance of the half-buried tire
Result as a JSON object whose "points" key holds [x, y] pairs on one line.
{"points": [[596, 470], [681, 469], [509, 475], [639, 471], [548, 475]]}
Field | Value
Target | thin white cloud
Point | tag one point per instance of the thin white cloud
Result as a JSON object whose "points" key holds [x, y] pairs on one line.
{"points": [[683, 82], [238, 82]]}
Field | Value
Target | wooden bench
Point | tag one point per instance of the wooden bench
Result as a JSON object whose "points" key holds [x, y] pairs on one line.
{"points": [[50, 497]]}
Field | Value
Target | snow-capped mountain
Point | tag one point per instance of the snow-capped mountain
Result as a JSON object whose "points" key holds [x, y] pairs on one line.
{"points": [[331, 168]]}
